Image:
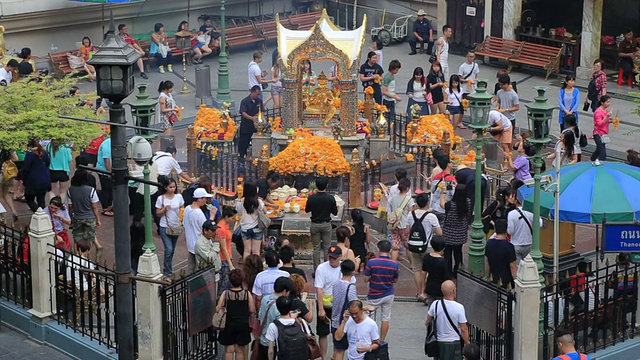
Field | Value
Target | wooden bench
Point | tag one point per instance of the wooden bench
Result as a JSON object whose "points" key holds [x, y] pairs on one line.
{"points": [[60, 64], [304, 21], [546, 57], [243, 34], [498, 48], [145, 45]]}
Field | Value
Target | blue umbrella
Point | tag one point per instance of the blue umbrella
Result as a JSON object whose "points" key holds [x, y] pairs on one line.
{"points": [[588, 192]]}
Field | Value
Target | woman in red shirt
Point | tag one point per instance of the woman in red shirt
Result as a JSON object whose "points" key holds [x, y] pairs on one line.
{"points": [[224, 231], [601, 121]]}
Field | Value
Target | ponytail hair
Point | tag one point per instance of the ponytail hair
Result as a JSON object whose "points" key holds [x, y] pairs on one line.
{"points": [[603, 99], [165, 85]]}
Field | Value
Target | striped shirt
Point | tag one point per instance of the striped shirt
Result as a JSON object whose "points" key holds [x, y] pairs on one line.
{"points": [[383, 271]]}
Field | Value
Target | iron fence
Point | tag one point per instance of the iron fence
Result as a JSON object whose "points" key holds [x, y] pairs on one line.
{"points": [[15, 269], [179, 342], [598, 308]]}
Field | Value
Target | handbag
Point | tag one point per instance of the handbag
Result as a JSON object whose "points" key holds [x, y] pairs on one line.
{"points": [[433, 58], [263, 220], [173, 118], [219, 321], [605, 139], [444, 307], [314, 348], [9, 170], [586, 106], [431, 341], [381, 353], [204, 39], [172, 230], [429, 98]]}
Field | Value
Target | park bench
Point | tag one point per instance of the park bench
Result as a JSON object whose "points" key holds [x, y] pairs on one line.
{"points": [[244, 34], [304, 21], [498, 48], [546, 57], [145, 45], [60, 64]]}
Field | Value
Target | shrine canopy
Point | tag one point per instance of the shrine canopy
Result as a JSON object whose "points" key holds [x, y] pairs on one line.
{"points": [[348, 43]]}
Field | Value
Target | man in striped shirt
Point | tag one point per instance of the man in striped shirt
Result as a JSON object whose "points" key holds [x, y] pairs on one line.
{"points": [[381, 273]]}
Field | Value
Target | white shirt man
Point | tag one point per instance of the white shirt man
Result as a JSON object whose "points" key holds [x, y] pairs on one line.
{"points": [[468, 71], [192, 220], [520, 227], [448, 336], [361, 332], [166, 163]]}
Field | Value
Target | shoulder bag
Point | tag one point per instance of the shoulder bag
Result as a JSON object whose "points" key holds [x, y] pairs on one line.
{"points": [[451, 323], [525, 219], [380, 353], [9, 170], [395, 217], [263, 220], [172, 230], [255, 349], [431, 341], [220, 318], [471, 72], [314, 348]]}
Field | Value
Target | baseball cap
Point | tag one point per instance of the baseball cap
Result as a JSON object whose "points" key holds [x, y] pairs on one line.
{"points": [[335, 251], [209, 225], [201, 193]]}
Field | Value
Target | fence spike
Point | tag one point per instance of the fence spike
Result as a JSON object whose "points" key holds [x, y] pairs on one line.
{"points": [[607, 262], [183, 273]]}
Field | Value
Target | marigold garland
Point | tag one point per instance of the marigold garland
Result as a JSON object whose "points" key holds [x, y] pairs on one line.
{"points": [[430, 130], [208, 125], [276, 123], [309, 154], [368, 90]]}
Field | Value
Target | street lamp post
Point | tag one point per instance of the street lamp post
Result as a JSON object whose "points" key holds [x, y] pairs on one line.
{"points": [[224, 93], [114, 80], [480, 104], [538, 113]]}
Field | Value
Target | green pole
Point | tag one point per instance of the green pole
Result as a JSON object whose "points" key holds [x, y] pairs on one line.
{"points": [[476, 248], [224, 93], [536, 255], [148, 219]]}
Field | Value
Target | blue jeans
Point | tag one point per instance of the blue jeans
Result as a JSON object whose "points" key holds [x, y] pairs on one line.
{"points": [[169, 243], [252, 234]]}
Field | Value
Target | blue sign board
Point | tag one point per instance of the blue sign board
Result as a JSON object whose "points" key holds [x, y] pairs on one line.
{"points": [[622, 237]]}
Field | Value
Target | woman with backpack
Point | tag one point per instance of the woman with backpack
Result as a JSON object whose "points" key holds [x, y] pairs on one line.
{"points": [[456, 225], [568, 100]]}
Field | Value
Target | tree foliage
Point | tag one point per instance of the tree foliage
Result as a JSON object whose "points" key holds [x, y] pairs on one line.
{"points": [[30, 109]]}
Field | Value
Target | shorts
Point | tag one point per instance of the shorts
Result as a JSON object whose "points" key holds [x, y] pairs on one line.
{"points": [[58, 175], [235, 334], [323, 328], [416, 261], [340, 345], [252, 234], [384, 304], [399, 238], [84, 229], [276, 90], [197, 46], [454, 110], [505, 137]]}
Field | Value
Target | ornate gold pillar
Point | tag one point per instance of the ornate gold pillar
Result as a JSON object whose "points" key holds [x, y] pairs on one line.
{"points": [[291, 109], [192, 152], [446, 143], [348, 106], [263, 162], [355, 180]]}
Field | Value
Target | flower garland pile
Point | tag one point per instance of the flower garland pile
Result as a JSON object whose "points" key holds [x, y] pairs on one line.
{"points": [[430, 130], [309, 154], [276, 123], [208, 124]]}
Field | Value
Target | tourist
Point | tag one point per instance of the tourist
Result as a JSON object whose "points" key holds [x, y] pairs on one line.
{"points": [[498, 209], [326, 275], [382, 273], [468, 73], [431, 226], [377, 48], [209, 36], [371, 75], [224, 232], [263, 285], [59, 168], [321, 206], [106, 184], [519, 166], [91, 151], [59, 220], [435, 81], [309, 77], [436, 270], [467, 176], [601, 121], [265, 186], [298, 297], [276, 88], [567, 347], [449, 337], [8, 166], [343, 233], [497, 86], [251, 267], [25, 68], [287, 325], [389, 96], [442, 49], [571, 125], [568, 100], [453, 99], [456, 225], [160, 48], [168, 210], [85, 283], [256, 75], [249, 108], [167, 164], [360, 330], [82, 202], [627, 55], [361, 238], [247, 208], [208, 248], [6, 72], [36, 176], [422, 33], [168, 110], [404, 201], [86, 52], [567, 147], [442, 183], [286, 255], [344, 291], [124, 35], [239, 305], [417, 92], [501, 128], [501, 257], [199, 49], [519, 226], [269, 312], [192, 220], [508, 100], [597, 85]]}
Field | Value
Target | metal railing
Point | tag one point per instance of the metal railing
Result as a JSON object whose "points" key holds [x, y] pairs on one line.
{"points": [[15, 269], [598, 308]]}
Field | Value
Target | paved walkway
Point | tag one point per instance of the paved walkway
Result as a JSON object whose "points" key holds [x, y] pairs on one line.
{"points": [[14, 345]]}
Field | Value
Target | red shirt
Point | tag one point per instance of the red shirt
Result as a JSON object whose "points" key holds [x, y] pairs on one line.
{"points": [[225, 232], [128, 39], [94, 145]]}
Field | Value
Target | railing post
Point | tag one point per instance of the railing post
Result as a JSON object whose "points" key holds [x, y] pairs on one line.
{"points": [[149, 308], [355, 180], [192, 152], [525, 320], [41, 238]]}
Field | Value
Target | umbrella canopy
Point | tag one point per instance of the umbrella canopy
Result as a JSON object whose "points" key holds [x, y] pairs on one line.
{"points": [[588, 192]]}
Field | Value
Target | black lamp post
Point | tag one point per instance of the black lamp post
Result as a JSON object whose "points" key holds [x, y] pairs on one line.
{"points": [[114, 80]]}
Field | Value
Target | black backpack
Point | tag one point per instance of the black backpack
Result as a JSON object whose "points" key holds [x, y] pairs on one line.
{"points": [[592, 90], [292, 342], [418, 241]]}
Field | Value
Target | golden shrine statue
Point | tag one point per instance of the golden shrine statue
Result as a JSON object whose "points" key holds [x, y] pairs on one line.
{"points": [[321, 100]]}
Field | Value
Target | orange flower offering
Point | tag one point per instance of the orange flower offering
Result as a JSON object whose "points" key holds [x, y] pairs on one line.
{"points": [[368, 90], [470, 157], [455, 159], [380, 108], [430, 129], [335, 102], [209, 125], [309, 154], [465, 103], [276, 123], [179, 112], [302, 133], [360, 105], [408, 157], [616, 122], [363, 127]]}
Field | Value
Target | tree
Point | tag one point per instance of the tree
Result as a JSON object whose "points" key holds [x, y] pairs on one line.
{"points": [[29, 109]]}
